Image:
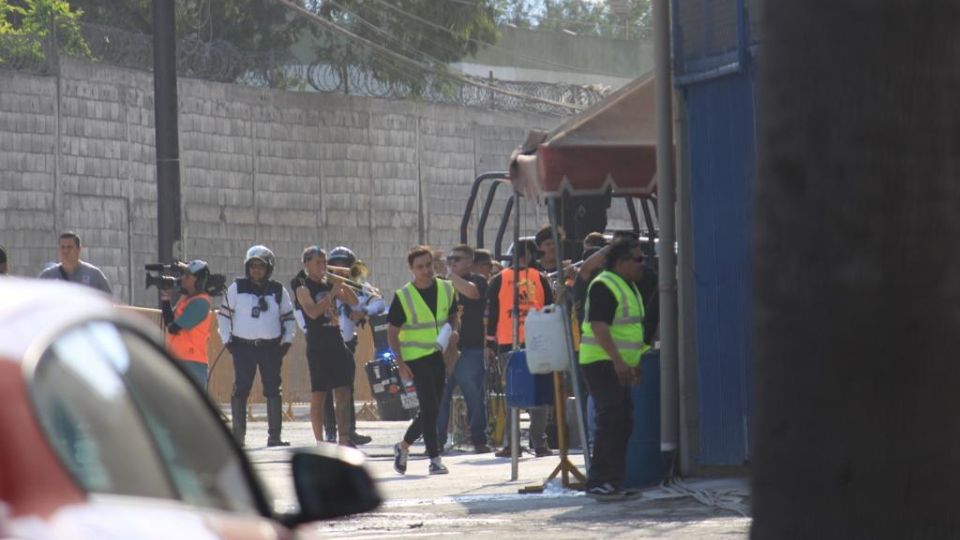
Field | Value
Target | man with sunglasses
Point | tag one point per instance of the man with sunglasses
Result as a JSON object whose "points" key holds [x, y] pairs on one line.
{"points": [[483, 263], [257, 327], [468, 370], [610, 351]]}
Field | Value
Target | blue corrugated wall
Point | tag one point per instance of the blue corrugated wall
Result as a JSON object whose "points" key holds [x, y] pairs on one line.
{"points": [[721, 148]]}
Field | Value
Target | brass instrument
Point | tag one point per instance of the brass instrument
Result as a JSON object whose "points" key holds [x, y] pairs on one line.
{"points": [[359, 271], [348, 282], [556, 273]]}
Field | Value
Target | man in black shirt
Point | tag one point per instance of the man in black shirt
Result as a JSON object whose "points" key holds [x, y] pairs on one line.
{"points": [[468, 370], [610, 363], [329, 360], [419, 311]]}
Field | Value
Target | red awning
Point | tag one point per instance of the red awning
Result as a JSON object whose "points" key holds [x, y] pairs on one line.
{"points": [[611, 145]]}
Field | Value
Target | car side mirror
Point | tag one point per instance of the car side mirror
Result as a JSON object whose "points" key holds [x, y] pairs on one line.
{"points": [[330, 482]]}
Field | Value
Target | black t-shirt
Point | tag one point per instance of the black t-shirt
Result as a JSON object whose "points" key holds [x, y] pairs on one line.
{"points": [[580, 287], [471, 320], [603, 304], [327, 325], [397, 317]]}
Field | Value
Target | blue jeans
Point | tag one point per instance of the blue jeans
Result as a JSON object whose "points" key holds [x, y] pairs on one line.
{"points": [[468, 374], [197, 370]]}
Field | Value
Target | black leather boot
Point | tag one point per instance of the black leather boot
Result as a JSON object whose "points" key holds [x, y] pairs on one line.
{"points": [[238, 414], [275, 421]]}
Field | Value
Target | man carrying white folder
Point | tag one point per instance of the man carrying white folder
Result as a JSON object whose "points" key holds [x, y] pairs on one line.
{"points": [[418, 315]]}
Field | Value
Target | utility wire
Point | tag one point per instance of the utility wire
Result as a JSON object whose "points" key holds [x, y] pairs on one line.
{"points": [[385, 32], [483, 43], [404, 59]]}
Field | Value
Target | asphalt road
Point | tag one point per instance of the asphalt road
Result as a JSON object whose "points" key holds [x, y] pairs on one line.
{"points": [[478, 499]]}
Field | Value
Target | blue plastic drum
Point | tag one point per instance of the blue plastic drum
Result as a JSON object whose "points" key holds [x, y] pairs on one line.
{"points": [[645, 465], [524, 389]]}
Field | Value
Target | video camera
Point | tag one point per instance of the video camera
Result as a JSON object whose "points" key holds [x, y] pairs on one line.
{"points": [[167, 277]]}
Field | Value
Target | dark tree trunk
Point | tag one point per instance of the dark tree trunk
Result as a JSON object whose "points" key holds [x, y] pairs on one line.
{"points": [[857, 292]]}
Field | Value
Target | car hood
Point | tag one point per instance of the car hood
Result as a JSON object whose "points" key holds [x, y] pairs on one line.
{"points": [[32, 310]]}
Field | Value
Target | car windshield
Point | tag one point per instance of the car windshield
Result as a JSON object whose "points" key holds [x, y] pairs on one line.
{"points": [[126, 421]]}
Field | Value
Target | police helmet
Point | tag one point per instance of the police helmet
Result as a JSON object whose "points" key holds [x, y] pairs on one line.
{"points": [[341, 256], [200, 270], [259, 253]]}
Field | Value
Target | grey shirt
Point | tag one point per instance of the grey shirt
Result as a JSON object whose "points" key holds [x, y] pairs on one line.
{"points": [[85, 274]]}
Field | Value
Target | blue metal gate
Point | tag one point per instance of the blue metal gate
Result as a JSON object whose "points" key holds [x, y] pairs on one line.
{"points": [[713, 72], [721, 150]]}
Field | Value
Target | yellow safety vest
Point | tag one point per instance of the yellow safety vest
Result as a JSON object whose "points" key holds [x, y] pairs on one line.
{"points": [[418, 335], [627, 327]]}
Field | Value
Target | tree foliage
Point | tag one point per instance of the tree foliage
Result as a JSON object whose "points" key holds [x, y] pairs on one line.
{"points": [[251, 26], [617, 19], [25, 26], [431, 32]]}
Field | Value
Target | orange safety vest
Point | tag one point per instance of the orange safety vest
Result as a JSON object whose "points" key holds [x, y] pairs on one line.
{"points": [[190, 344], [531, 297]]}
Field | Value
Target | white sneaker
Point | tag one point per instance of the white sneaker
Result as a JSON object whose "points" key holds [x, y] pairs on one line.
{"points": [[606, 492], [436, 466]]}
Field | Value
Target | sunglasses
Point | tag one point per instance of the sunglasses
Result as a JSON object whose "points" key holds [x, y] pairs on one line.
{"points": [[454, 258]]}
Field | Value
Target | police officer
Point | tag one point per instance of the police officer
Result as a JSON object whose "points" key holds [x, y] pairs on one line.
{"points": [[188, 322], [257, 327], [610, 351]]}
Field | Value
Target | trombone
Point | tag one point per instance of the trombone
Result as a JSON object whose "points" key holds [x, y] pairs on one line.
{"points": [[357, 271], [348, 282], [556, 273]]}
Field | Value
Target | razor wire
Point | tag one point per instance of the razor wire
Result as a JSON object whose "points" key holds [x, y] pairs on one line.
{"points": [[328, 71]]}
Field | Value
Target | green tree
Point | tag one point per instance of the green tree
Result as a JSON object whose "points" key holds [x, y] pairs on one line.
{"points": [[519, 13], [612, 18], [227, 38], [431, 32], [25, 25]]}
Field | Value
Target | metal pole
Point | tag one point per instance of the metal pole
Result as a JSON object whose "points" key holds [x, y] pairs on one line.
{"points": [[514, 412], [666, 199], [169, 235], [563, 304]]}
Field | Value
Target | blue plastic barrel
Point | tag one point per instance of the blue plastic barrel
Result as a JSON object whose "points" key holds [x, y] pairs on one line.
{"points": [[525, 389], [645, 465]]}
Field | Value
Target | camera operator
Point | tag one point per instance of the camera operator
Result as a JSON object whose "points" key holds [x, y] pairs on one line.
{"points": [[257, 327], [188, 322]]}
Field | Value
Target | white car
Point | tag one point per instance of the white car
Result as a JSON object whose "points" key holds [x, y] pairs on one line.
{"points": [[105, 437]]}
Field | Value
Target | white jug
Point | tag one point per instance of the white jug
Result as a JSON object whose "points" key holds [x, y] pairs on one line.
{"points": [[546, 345]]}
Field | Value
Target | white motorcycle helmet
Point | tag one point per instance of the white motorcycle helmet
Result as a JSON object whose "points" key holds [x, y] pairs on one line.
{"points": [[262, 254]]}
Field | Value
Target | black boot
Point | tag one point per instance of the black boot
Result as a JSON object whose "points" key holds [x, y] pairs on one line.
{"points": [[238, 414], [329, 418], [275, 421]]}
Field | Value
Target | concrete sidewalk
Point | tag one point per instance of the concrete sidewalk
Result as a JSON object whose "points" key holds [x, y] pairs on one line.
{"points": [[478, 499]]}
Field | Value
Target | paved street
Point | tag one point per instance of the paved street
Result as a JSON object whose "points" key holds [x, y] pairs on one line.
{"points": [[477, 498]]}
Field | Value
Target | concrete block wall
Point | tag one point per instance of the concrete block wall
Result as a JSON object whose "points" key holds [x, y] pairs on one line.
{"points": [[257, 166], [27, 170]]}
